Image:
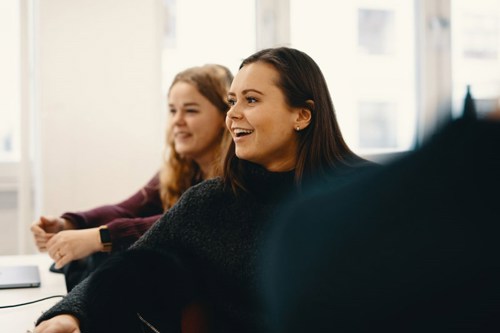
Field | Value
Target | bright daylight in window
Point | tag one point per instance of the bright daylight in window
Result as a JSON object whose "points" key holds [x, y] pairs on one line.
{"points": [[476, 53], [9, 81], [184, 46], [367, 52]]}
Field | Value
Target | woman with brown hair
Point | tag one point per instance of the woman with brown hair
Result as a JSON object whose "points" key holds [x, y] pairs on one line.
{"points": [[205, 248], [195, 136]]}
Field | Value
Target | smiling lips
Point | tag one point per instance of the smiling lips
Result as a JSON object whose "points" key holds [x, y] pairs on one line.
{"points": [[181, 135], [239, 132]]}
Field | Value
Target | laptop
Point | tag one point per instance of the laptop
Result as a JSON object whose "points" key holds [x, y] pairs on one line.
{"points": [[26, 276]]}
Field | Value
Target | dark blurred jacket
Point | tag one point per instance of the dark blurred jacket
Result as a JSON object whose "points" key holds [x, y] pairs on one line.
{"points": [[411, 247]]}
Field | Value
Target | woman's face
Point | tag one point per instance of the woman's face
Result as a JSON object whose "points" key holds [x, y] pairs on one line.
{"points": [[196, 123], [261, 123]]}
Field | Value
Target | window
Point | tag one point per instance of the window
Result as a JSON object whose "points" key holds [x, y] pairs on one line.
{"points": [[16, 187], [376, 34], [476, 53], [199, 32], [10, 115], [393, 68], [9, 81], [367, 52]]}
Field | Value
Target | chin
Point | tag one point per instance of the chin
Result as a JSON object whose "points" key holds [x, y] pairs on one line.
{"points": [[241, 156], [182, 152], [245, 157]]}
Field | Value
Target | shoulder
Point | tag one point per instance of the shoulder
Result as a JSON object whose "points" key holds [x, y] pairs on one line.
{"points": [[341, 176], [205, 190], [208, 193], [195, 209]]}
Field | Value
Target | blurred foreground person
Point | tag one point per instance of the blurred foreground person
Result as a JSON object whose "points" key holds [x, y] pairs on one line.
{"points": [[410, 247]]}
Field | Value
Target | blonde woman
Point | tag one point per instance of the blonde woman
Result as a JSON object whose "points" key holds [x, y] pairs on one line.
{"points": [[195, 137]]}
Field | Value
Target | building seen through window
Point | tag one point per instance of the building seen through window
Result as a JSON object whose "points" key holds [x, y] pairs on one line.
{"points": [[367, 51]]}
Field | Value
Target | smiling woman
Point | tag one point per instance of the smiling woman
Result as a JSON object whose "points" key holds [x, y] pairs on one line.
{"points": [[196, 135], [197, 125], [262, 124], [205, 248]]}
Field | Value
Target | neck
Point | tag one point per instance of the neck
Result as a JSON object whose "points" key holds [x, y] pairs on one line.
{"points": [[269, 186], [206, 165], [281, 165]]}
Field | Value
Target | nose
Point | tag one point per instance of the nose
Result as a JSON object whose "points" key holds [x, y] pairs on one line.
{"points": [[178, 118], [234, 112]]}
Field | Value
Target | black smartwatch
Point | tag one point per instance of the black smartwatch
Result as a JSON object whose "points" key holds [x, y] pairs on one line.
{"points": [[105, 238]]}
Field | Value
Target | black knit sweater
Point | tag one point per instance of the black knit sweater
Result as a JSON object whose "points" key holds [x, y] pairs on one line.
{"points": [[223, 232]]}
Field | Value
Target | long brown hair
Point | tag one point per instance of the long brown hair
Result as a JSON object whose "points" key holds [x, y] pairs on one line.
{"points": [[179, 173], [321, 147]]}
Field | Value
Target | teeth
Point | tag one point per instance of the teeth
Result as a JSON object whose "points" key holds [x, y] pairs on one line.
{"points": [[241, 131]]}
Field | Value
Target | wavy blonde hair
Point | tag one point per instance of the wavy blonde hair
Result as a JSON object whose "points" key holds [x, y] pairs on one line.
{"points": [[178, 173]]}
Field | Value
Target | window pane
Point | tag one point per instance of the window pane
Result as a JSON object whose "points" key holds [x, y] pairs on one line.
{"points": [[9, 80], [377, 120], [186, 46], [366, 50], [476, 53], [376, 31], [10, 114]]}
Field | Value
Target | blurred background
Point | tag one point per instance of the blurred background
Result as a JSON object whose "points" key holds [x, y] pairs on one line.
{"points": [[83, 82]]}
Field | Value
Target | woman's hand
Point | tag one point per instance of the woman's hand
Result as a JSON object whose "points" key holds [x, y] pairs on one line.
{"points": [[59, 324], [45, 227], [69, 245]]}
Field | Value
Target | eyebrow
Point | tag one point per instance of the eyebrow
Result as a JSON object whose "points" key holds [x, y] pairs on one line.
{"points": [[186, 104], [246, 91]]}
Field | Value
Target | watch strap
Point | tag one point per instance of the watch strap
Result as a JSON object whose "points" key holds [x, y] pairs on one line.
{"points": [[105, 237]]}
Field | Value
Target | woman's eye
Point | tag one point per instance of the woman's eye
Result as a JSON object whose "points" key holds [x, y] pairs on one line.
{"points": [[251, 99], [172, 111], [191, 110], [231, 101]]}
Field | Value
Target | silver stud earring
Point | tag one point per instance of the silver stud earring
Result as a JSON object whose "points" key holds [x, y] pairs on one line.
{"points": [[297, 128]]}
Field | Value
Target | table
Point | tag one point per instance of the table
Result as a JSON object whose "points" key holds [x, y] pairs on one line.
{"points": [[20, 319]]}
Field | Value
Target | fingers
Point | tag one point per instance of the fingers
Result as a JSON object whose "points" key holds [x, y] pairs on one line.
{"points": [[59, 324], [42, 223], [40, 236], [69, 245], [36, 229], [60, 257], [53, 248], [62, 260], [43, 229], [41, 244], [51, 224], [59, 249], [48, 220]]}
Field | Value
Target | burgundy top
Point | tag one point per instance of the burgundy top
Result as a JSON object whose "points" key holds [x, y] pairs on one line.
{"points": [[127, 220]]}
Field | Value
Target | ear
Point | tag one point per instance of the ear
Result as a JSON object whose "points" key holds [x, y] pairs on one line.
{"points": [[304, 115]]}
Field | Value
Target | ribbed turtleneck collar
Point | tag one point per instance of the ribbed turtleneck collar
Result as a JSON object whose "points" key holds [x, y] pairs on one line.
{"points": [[267, 186]]}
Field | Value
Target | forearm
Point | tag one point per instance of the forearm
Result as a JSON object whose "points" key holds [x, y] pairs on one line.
{"points": [[96, 217], [124, 232], [145, 202], [158, 237]]}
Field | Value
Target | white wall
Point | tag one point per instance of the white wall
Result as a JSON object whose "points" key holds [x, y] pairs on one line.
{"points": [[100, 100]]}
